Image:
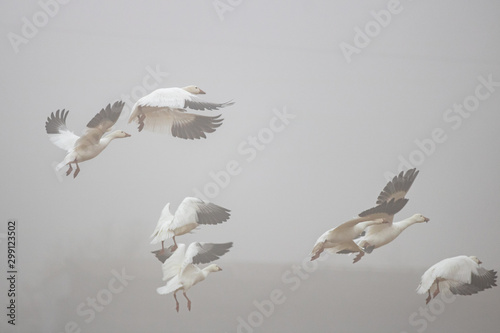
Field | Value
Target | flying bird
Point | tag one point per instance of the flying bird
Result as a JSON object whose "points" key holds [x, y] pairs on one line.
{"points": [[340, 238], [191, 213], [91, 143], [164, 110], [181, 271], [461, 275], [393, 195]]}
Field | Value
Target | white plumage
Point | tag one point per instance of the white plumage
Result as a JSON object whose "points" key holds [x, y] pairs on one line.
{"points": [[189, 215], [377, 221], [340, 238], [164, 110], [461, 275], [181, 271], [394, 192], [91, 143]]}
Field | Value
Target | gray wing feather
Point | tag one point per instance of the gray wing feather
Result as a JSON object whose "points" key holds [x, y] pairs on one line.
{"points": [[162, 255], [195, 105], [208, 252], [398, 186], [209, 213], [108, 116], [391, 207], [196, 127], [56, 123], [485, 279]]}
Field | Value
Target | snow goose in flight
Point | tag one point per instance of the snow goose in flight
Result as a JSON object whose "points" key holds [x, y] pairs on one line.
{"points": [[340, 238], [181, 271], [91, 143], [461, 275], [189, 215], [376, 236], [164, 110]]}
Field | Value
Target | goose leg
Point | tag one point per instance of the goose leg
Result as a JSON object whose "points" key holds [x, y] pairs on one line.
{"points": [[69, 169], [77, 169], [176, 302], [428, 299], [162, 246], [316, 255], [437, 289], [189, 301], [140, 119], [358, 257], [173, 247]]}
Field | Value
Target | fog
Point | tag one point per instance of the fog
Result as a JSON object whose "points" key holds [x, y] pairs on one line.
{"points": [[331, 100]]}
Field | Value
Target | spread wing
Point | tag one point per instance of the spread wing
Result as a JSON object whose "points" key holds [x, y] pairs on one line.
{"points": [[200, 105], [101, 123], [194, 210], [58, 132], [385, 210], [162, 255], [203, 253], [483, 279], [398, 186], [177, 121]]}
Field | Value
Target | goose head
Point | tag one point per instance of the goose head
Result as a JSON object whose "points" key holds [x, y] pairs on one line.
{"points": [[476, 260], [194, 90], [213, 268], [119, 134], [419, 218]]}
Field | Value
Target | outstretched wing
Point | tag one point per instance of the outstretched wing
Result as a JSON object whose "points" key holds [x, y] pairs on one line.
{"points": [[162, 255], [176, 121], [58, 132], [194, 210], [398, 186], [200, 105], [101, 123], [385, 210], [484, 279], [203, 253]]}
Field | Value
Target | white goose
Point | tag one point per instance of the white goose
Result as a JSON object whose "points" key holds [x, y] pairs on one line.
{"points": [[189, 215], [461, 275], [376, 236], [340, 238], [164, 110], [181, 271], [91, 143]]}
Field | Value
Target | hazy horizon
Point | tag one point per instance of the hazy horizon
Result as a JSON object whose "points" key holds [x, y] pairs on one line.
{"points": [[331, 100]]}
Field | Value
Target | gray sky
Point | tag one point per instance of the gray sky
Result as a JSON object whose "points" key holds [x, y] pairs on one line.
{"points": [[358, 106]]}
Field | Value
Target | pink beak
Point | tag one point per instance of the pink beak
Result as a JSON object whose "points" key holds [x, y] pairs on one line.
{"points": [[201, 92]]}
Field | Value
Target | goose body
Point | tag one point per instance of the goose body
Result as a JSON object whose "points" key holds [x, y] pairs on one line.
{"points": [[180, 269], [461, 275], [379, 219], [165, 110], [395, 191], [191, 213], [91, 143], [340, 238]]}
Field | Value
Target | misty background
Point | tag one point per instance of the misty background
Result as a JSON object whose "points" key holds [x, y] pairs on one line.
{"points": [[354, 119]]}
